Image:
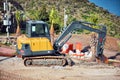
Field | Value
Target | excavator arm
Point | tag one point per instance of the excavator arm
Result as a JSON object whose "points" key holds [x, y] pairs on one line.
{"points": [[82, 25]]}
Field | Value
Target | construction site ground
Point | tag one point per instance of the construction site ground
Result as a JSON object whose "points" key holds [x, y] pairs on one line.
{"points": [[12, 68]]}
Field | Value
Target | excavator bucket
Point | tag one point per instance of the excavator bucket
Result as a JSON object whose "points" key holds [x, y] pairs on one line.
{"points": [[102, 59]]}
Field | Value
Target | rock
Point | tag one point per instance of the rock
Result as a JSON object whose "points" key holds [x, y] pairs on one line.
{"points": [[7, 52]]}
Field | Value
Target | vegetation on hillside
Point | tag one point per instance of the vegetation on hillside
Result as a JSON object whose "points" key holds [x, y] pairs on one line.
{"points": [[75, 9]]}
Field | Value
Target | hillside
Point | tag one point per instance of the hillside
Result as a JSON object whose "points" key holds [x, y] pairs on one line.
{"points": [[77, 10]]}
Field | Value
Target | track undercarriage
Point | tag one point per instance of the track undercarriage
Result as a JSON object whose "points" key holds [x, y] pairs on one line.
{"points": [[47, 61]]}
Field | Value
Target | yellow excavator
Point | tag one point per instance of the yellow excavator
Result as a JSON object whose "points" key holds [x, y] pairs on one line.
{"points": [[36, 48]]}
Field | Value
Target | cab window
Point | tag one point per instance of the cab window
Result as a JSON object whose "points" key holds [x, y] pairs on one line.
{"points": [[39, 30]]}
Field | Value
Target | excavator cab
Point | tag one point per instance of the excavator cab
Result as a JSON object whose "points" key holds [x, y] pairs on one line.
{"points": [[36, 41], [37, 29]]}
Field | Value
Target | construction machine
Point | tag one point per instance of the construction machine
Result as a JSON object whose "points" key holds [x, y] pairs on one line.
{"points": [[36, 48]]}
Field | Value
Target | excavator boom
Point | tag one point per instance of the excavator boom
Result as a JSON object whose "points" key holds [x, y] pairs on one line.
{"points": [[82, 25]]}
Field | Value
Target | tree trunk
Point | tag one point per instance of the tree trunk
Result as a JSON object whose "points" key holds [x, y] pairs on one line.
{"points": [[52, 34], [18, 31]]}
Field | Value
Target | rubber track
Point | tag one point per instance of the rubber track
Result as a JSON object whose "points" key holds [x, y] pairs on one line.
{"points": [[45, 57]]}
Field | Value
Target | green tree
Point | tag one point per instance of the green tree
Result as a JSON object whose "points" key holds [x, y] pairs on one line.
{"points": [[54, 19], [93, 18], [33, 14], [18, 19], [38, 14], [70, 19], [43, 15]]}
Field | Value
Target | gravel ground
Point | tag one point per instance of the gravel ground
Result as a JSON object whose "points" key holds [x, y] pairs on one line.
{"points": [[13, 69]]}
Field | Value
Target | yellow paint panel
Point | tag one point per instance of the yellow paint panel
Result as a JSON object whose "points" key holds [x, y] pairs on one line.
{"points": [[40, 44], [36, 44], [22, 39]]}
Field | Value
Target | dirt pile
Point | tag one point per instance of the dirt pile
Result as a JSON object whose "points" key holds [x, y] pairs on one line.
{"points": [[112, 43], [8, 52]]}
